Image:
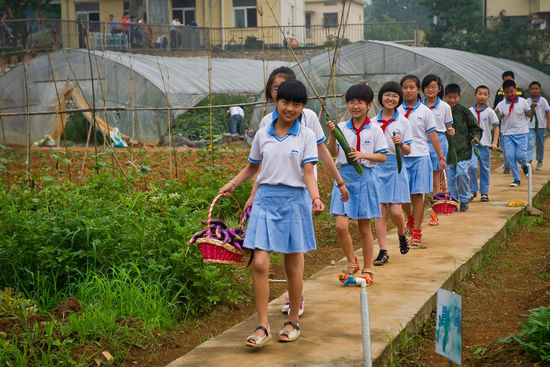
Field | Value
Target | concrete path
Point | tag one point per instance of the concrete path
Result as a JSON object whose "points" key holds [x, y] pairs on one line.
{"points": [[401, 297]]}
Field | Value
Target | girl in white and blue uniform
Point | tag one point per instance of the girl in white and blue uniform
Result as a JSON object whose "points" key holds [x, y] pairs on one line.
{"points": [[393, 187], [309, 119], [432, 87], [368, 148], [281, 213], [418, 163]]}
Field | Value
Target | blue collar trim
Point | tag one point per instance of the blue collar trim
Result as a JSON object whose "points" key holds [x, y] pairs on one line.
{"points": [[435, 104], [294, 130], [349, 125], [508, 102], [395, 115], [418, 102]]}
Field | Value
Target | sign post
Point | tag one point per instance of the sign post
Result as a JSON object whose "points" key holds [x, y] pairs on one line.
{"points": [[448, 331]]}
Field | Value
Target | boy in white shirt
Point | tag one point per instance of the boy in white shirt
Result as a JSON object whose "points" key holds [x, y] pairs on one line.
{"points": [[536, 131], [487, 120], [514, 112]]}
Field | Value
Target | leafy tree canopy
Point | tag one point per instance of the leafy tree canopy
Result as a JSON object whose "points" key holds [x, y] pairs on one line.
{"points": [[397, 11], [19, 6]]}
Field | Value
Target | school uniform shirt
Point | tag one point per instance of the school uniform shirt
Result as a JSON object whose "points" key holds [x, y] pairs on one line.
{"points": [[514, 122], [442, 114], [486, 118], [499, 96], [283, 158], [372, 141], [236, 110], [541, 109], [422, 122], [308, 118], [397, 125]]}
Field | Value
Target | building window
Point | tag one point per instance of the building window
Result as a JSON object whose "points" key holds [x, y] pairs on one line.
{"points": [[184, 10], [308, 20], [244, 13], [330, 20]]}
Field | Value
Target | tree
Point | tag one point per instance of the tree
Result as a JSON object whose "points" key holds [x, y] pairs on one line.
{"points": [[453, 22], [19, 6], [397, 11]]}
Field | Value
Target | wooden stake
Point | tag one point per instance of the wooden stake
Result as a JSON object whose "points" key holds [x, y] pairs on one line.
{"points": [[28, 176], [210, 110]]}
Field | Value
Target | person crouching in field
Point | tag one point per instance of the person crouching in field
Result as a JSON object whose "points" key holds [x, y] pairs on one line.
{"points": [[281, 219], [369, 147], [465, 130]]}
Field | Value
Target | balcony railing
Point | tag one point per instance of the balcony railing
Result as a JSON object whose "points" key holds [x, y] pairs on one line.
{"points": [[38, 34]]}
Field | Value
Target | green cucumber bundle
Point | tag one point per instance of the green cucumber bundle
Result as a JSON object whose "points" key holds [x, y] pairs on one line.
{"points": [[346, 148], [534, 116]]}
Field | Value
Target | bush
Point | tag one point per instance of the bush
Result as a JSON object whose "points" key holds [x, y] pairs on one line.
{"points": [[535, 336]]}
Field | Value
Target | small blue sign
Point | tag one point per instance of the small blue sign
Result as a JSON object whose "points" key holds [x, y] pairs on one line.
{"points": [[448, 330]]}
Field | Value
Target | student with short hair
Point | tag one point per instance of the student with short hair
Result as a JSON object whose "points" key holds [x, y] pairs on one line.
{"points": [[514, 112], [393, 186], [537, 135], [487, 120], [287, 152], [368, 148], [309, 119], [499, 96], [465, 131], [418, 163]]}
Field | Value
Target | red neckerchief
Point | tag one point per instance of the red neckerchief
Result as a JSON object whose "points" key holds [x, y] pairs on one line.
{"points": [[479, 113], [385, 124], [512, 104], [409, 109], [358, 131]]}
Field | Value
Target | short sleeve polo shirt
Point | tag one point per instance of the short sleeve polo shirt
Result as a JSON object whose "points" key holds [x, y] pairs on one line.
{"points": [[422, 122], [514, 122], [486, 118], [541, 109], [442, 114], [372, 141], [400, 126], [283, 158]]}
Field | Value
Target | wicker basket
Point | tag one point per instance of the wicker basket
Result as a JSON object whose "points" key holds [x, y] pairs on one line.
{"points": [[214, 251], [447, 206]]}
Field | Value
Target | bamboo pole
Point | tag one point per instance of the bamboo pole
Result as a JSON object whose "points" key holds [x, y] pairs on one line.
{"points": [[169, 112], [132, 103], [28, 176], [93, 99], [210, 110], [321, 100], [5, 144], [123, 108]]}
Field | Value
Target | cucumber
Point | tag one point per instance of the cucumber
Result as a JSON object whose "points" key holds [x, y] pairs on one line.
{"points": [[398, 156], [346, 148], [534, 115]]}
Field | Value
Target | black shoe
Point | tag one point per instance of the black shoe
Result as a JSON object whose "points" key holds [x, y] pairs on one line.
{"points": [[382, 258], [403, 244], [463, 207], [473, 196]]}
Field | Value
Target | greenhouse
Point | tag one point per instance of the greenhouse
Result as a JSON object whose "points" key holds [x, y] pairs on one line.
{"points": [[138, 88], [132, 82], [377, 62]]}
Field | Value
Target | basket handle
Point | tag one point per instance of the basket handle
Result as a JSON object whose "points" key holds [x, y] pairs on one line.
{"points": [[212, 208], [443, 183]]}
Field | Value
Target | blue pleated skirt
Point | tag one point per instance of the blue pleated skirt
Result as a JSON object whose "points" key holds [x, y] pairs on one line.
{"points": [[420, 174], [364, 202], [393, 188], [444, 148], [281, 220]]}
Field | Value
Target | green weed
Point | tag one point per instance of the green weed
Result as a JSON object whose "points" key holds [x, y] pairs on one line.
{"points": [[535, 336]]}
